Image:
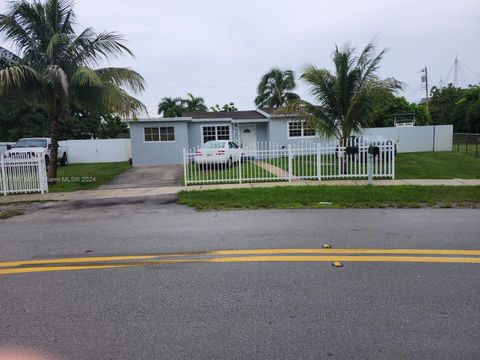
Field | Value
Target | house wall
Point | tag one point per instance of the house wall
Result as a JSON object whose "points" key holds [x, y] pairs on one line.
{"points": [[278, 133], [158, 153], [262, 132]]}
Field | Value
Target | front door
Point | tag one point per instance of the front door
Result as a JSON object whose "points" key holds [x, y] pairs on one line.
{"points": [[248, 137]]}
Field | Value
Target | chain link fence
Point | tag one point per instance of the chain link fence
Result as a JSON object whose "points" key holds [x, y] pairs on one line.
{"points": [[468, 144]]}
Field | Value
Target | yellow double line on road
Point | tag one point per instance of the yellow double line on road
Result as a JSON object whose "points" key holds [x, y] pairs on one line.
{"points": [[244, 256]]}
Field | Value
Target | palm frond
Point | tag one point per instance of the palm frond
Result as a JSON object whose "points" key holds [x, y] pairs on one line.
{"points": [[123, 77], [84, 78], [90, 47], [17, 78]]}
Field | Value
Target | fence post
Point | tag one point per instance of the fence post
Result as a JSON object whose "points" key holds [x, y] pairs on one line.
{"points": [[43, 171], [319, 163], [39, 164], [240, 168], [4, 175], [290, 163], [393, 162], [185, 177]]}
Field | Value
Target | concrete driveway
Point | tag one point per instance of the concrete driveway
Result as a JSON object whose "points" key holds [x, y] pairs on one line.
{"points": [[141, 177]]}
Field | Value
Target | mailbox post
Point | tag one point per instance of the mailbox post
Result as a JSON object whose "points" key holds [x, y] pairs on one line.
{"points": [[371, 151]]}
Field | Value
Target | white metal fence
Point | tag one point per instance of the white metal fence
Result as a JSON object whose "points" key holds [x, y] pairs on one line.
{"points": [[309, 160], [22, 173]]}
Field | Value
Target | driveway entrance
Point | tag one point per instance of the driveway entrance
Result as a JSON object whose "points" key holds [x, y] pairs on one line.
{"points": [[153, 176]]}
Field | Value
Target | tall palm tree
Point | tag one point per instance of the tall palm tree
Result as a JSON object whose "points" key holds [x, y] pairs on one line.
{"points": [[171, 107], [193, 103], [274, 90], [56, 67], [343, 99]]}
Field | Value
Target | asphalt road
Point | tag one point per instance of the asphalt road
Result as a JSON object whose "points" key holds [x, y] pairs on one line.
{"points": [[258, 310]]}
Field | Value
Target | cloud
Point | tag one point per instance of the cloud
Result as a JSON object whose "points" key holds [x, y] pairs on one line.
{"points": [[220, 49]]}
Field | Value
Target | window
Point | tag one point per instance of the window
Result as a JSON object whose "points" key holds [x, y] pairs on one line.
{"points": [[223, 132], [299, 129], [211, 133], [308, 131], [151, 134], [295, 129], [167, 133]]}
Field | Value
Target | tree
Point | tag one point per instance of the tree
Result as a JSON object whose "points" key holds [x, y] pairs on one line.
{"points": [[386, 104], [112, 126], [192, 103], [171, 107], [274, 89], [56, 67], [227, 107], [18, 119], [456, 106], [442, 104], [343, 99]]}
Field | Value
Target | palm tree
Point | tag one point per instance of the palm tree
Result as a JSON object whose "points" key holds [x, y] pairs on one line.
{"points": [[274, 89], [193, 103], [171, 107], [343, 99], [55, 67]]}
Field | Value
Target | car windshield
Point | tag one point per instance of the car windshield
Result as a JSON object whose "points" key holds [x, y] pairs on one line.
{"points": [[214, 145], [24, 143]]}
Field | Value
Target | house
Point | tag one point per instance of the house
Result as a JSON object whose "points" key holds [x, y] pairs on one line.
{"points": [[161, 141]]}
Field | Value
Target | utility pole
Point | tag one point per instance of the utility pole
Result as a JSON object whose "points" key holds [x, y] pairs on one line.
{"points": [[425, 80]]}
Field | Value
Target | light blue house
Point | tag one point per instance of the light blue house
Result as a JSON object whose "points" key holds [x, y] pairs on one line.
{"points": [[161, 141]]}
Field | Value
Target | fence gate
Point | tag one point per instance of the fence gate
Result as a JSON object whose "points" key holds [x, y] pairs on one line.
{"points": [[306, 160], [22, 173]]}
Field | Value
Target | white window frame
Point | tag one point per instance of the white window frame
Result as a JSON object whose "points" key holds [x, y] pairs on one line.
{"points": [[302, 136], [159, 136], [216, 133], [152, 141], [167, 141]]}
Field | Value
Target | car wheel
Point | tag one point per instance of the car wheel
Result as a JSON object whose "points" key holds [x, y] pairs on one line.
{"points": [[229, 163], [47, 160]]}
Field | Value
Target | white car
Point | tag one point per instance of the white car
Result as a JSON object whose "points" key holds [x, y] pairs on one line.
{"points": [[218, 152]]}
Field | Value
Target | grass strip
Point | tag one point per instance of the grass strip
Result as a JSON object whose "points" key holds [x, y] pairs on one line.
{"points": [[332, 197], [7, 214]]}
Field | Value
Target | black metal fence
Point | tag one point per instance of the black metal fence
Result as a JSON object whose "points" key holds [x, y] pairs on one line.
{"points": [[468, 144]]}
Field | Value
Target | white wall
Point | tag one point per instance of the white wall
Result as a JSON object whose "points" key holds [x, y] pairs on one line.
{"points": [[417, 138], [98, 151]]}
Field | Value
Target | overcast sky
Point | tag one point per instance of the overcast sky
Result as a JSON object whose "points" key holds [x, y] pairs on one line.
{"points": [[219, 49]]}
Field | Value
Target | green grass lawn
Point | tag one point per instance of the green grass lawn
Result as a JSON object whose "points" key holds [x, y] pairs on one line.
{"points": [[439, 165], [221, 174], [332, 197], [87, 176], [307, 166]]}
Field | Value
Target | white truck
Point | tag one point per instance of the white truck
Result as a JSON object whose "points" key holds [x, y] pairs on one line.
{"points": [[41, 146]]}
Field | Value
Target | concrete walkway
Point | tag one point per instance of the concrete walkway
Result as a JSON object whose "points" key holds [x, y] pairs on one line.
{"points": [[152, 191], [272, 169]]}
